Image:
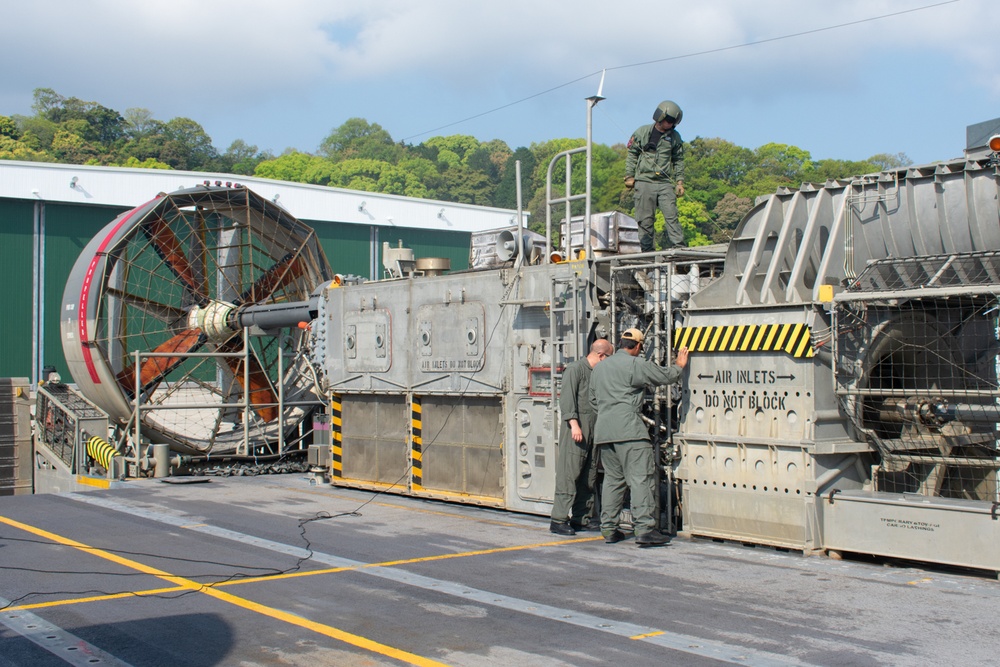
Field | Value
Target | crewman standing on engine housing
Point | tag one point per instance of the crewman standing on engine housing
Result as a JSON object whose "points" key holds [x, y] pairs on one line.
{"points": [[654, 166]]}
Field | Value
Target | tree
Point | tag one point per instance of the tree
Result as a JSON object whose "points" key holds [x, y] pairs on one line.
{"points": [[8, 128], [359, 139], [890, 161], [781, 160], [506, 193], [242, 158], [714, 167], [72, 148], [45, 101], [459, 145], [695, 221], [292, 166], [36, 132], [187, 145], [140, 122], [728, 213], [18, 150]]}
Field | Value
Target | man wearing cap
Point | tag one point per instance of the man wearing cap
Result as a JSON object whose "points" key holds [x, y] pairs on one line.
{"points": [[617, 387], [576, 465]]}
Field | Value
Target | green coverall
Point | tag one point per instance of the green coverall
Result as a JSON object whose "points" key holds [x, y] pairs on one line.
{"points": [[576, 465], [656, 168], [617, 387]]}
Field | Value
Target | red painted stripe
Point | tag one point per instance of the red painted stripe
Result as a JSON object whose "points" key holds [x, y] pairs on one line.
{"points": [[88, 358]]}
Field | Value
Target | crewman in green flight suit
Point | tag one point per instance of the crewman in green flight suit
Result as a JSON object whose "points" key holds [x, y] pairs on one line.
{"points": [[617, 387], [576, 465], [654, 166]]}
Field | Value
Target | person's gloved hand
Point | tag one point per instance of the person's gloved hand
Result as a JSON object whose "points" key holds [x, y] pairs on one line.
{"points": [[629, 182], [680, 188]]}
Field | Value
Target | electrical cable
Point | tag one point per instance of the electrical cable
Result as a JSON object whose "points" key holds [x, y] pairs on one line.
{"points": [[683, 56]]}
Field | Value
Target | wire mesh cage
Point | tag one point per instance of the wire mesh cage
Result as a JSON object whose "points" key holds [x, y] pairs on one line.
{"points": [[917, 373], [161, 296]]}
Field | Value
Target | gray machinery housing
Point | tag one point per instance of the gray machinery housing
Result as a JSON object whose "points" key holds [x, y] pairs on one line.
{"points": [[841, 395]]}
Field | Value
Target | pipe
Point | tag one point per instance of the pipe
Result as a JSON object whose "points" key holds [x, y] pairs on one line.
{"points": [[161, 461]]}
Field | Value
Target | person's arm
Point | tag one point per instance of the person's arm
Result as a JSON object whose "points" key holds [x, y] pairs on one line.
{"points": [[677, 148], [568, 398], [575, 431], [631, 159], [649, 373]]}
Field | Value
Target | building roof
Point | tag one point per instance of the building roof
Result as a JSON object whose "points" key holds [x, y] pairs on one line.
{"points": [[129, 187]]}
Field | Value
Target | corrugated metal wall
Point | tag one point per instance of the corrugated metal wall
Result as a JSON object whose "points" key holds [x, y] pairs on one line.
{"points": [[347, 246], [16, 268]]}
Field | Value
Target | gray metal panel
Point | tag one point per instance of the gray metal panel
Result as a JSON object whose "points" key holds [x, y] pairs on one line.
{"points": [[463, 445], [796, 240], [446, 334], [978, 135], [375, 439], [940, 530], [772, 518]]}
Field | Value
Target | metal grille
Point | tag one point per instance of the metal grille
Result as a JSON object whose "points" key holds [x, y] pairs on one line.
{"points": [[966, 270], [918, 379]]}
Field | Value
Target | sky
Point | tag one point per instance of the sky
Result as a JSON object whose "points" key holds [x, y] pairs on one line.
{"points": [[844, 80]]}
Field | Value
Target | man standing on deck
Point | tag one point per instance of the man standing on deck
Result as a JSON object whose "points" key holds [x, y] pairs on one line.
{"points": [[617, 388], [576, 466]]}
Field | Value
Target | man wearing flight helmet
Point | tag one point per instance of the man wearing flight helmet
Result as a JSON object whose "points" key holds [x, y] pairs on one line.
{"points": [[654, 166]]}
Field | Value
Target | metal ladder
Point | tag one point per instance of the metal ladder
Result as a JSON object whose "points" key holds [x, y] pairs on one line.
{"points": [[571, 300]]}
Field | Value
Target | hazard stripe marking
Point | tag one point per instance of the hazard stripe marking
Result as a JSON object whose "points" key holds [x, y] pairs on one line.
{"points": [[336, 436], [793, 339], [416, 444]]}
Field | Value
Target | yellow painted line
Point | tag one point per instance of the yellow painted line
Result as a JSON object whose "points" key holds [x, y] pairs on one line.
{"points": [[649, 634], [292, 619], [367, 484], [93, 481], [485, 500], [309, 573], [98, 598], [406, 561]]}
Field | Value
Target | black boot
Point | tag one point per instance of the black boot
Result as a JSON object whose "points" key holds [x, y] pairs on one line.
{"points": [[561, 528], [653, 538]]}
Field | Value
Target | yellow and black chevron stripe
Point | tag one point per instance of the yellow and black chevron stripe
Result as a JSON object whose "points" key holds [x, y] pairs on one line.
{"points": [[416, 444], [102, 452], [793, 339], [336, 436]]}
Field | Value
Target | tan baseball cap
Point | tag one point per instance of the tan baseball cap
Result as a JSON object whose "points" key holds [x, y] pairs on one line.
{"points": [[633, 334]]}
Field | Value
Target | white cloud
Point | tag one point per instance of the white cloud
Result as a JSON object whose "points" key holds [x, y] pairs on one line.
{"points": [[263, 71]]}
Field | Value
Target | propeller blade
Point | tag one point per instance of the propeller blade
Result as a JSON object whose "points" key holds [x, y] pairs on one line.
{"points": [[160, 311], [278, 276], [168, 247], [154, 369], [260, 387]]}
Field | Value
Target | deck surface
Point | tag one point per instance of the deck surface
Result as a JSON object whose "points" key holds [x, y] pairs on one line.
{"points": [[227, 573]]}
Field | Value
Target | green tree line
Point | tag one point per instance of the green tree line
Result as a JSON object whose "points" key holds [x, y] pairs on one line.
{"points": [[722, 178]]}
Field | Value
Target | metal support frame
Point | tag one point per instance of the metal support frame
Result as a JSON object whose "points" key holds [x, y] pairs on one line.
{"points": [[245, 405]]}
